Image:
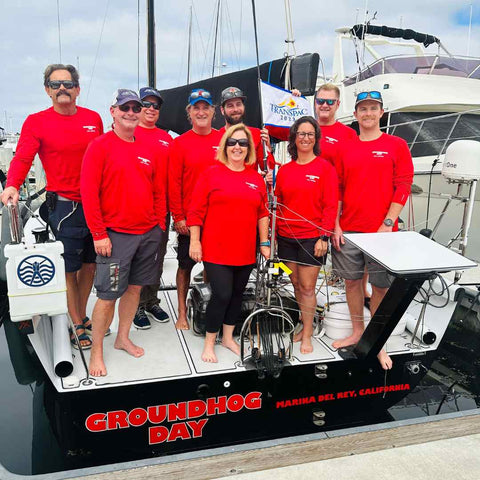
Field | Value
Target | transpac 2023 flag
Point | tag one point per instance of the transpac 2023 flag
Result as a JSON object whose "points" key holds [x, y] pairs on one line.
{"points": [[280, 108]]}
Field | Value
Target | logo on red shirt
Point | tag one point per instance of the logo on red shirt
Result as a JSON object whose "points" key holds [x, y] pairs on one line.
{"points": [[90, 128], [312, 178], [164, 143], [252, 185], [379, 154], [144, 161], [331, 140]]}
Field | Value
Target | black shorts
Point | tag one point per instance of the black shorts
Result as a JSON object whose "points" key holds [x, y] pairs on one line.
{"points": [[69, 227], [183, 253], [299, 250]]}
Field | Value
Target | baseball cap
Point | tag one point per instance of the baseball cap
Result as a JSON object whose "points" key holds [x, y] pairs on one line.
{"points": [[200, 95], [150, 92], [231, 92], [123, 95]]}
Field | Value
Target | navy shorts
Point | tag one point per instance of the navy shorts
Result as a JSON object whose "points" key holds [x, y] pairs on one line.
{"points": [[69, 227], [299, 250], [135, 260], [185, 262]]}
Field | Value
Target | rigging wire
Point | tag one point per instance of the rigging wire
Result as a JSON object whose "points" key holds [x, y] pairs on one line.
{"points": [[138, 44], [98, 50], [59, 31]]}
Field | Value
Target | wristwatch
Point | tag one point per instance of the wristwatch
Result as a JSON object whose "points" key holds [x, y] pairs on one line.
{"points": [[325, 238], [388, 222]]}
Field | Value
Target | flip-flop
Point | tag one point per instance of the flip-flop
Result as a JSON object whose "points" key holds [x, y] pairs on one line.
{"points": [[82, 337]]}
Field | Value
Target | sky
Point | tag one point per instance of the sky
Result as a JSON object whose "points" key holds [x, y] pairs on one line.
{"points": [[106, 39]]}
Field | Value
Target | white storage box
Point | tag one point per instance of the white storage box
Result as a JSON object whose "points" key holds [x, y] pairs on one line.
{"points": [[36, 280]]}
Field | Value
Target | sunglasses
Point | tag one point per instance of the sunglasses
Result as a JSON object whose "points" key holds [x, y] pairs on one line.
{"points": [[127, 108], [56, 84], [328, 101], [200, 94], [306, 134], [231, 142], [146, 104], [373, 95]]}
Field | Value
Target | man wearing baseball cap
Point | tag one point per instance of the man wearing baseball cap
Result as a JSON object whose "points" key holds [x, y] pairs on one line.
{"points": [[190, 154], [123, 186], [375, 173], [232, 106], [158, 139]]}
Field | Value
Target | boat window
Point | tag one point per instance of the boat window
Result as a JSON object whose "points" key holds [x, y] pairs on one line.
{"points": [[451, 66]]}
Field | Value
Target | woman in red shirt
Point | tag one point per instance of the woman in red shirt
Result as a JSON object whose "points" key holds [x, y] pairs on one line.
{"points": [[227, 207], [307, 193]]}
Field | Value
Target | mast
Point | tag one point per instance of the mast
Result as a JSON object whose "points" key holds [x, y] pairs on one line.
{"points": [[216, 37], [151, 62]]}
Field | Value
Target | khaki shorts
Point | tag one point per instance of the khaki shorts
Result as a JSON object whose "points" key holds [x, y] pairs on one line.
{"points": [[350, 262], [135, 260]]}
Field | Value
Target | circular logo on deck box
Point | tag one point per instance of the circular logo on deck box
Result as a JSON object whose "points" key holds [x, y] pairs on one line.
{"points": [[36, 271]]}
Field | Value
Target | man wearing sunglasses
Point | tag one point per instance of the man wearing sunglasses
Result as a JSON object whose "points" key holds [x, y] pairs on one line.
{"points": [[190, 154], [232, 106], [375, 173], [159, 140], [123, 188], [334, 133], [60, 135]]}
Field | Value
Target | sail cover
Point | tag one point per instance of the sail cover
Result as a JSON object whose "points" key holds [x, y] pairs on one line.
{"points": [[361, 30], [304, 70]]}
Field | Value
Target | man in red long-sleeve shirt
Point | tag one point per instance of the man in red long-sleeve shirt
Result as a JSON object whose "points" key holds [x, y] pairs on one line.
{"points": [[190, 154], [375, 173], [232, 103], [60, 136], [127, 224]]}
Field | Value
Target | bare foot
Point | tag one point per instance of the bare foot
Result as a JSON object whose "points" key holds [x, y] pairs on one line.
{"points": [[182, 323], [129, 347], [208, 354], [385, 360], [232, 345], [345, 342], [306, 345], [97, 366], [298, 336]]}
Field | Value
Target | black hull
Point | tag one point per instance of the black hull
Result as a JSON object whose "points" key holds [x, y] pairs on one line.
{"points": [[239, 407]]}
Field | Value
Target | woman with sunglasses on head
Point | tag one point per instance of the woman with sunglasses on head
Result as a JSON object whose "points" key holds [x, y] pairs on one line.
{"points": [[306, 190], [227, 208]]}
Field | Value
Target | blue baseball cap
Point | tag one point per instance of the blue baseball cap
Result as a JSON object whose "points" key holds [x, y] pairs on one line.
{"points": [[150, 92], [123, 95], [200, 95]]}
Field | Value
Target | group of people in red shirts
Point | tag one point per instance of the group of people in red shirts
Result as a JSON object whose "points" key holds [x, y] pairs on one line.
{"points": [[109, 205]]}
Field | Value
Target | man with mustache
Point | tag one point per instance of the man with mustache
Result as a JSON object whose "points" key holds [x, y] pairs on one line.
{"points": [[60, 135]]}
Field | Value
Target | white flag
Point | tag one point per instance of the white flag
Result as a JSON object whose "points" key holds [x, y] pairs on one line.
{"points": [[280, 108]]}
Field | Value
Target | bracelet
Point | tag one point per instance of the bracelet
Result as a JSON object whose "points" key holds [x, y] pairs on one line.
{"points": [[265, 244], [325, 238]]}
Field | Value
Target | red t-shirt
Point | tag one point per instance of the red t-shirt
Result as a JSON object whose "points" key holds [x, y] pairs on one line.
{"points": [[60, 141], [156, 136], [228, 205], [371, 176], [190, 155], [332, 138], [257, 140], [123, 186], [307, 199]]}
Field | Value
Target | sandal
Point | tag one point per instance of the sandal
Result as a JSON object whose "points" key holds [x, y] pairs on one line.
{"points": [[82, 337], [87, 325]]}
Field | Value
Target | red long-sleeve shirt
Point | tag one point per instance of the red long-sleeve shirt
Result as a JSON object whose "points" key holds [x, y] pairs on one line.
{"points": [[257, 140], [332, 138], [190, 155], [307, 199], [371, 176], [60, 141], [228, 205], [156, 136], [123, 186]]}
